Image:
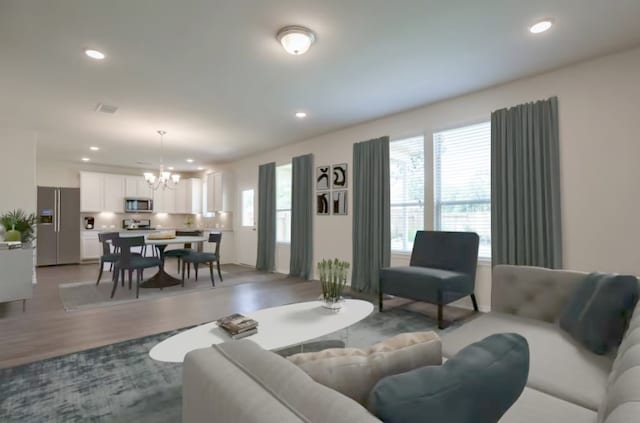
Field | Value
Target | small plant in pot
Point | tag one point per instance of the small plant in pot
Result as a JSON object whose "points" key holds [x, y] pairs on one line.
{"points": [[19, 226], [333, 278]]}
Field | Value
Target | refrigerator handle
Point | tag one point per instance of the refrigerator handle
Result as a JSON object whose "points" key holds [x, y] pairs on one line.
{"points": [[56, 208]]}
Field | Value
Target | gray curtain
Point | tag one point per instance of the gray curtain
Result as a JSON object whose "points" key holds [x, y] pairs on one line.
{"points": [[266, 218], [371, 213], [301, 262], [525, 185]]}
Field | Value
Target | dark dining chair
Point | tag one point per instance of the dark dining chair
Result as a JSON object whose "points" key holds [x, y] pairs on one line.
{"points": [[196, 258], [179, 253], [129, 261], [108, 255]]}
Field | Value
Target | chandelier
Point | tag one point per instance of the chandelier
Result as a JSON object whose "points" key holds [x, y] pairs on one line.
{"points": [[163, 179]]}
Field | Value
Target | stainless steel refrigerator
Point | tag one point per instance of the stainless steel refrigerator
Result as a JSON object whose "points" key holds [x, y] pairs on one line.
{"points": [[58, 234]]}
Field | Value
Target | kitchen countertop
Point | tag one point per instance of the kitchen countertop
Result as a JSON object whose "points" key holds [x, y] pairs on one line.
{"points": [[156, 230]]}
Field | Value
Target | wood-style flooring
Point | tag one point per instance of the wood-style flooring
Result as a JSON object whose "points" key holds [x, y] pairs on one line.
{"points": [[46, 330]]}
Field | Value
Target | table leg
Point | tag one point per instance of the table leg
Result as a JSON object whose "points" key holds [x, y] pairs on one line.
{"points": [[161, 279]]}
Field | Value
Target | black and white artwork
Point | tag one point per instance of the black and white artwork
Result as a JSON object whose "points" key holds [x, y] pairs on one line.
{"points": [[339, 176], [339, 202], [322, 202], [322, 178]]}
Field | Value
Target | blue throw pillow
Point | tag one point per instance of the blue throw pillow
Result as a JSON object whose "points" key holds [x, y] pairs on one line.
{"points": [[599, 310], [478, 385]]}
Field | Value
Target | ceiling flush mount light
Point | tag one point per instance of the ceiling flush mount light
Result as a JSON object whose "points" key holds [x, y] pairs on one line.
{"points": [[296, 40], [200, 168], [163, 179], [190, 160], [541, 26], [94, 148], [170, 168], [85, 159], [301, 115], [94, 54]]}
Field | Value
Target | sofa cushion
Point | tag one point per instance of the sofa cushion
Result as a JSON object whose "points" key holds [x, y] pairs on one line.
{"points": [[624, 391], [425, 284], [534, 406], [559, 365], [598, 311], [477, 385], [240, 382], [353, 372]]}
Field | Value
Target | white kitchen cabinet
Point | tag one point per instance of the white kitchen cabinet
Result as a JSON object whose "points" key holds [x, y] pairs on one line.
{"points": [[91, 192], [219, 192], [114, 193], [164, 200], [91, 248], [180, 195], [101, 192], [194, 196], [137, 187]]}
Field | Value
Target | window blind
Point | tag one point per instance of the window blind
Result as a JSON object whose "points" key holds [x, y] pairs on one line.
{"points": [[283, 203], [462, 180], [406, 161]]}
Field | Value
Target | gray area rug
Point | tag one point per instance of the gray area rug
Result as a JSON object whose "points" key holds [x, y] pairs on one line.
{"points": [[84, 295], [120, 383]]}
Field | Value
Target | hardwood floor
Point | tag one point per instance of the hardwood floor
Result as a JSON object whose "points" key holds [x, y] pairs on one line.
{"points": [[46, 330]]}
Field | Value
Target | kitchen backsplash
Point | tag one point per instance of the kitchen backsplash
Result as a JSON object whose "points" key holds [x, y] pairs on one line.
{"points": [[107, 220]]}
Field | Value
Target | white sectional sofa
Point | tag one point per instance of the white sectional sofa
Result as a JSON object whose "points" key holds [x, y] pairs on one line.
{"points": [[567, 383]]}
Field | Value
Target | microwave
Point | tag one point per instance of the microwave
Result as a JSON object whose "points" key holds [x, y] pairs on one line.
{"points": [[138, 205]]}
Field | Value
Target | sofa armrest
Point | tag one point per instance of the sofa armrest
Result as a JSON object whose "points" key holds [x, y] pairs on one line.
{"points": [[533, 292]]}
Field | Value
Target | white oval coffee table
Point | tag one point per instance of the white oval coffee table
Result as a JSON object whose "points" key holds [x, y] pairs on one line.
{"points": [[279, 327]]}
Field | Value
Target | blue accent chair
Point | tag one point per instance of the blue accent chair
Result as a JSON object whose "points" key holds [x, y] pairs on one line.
{"points": [[442, 270]]}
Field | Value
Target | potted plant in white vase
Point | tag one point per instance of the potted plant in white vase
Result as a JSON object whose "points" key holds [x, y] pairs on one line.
{"points": [[333, 279]]}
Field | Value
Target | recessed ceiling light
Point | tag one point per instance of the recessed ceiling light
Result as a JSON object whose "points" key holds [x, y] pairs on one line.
{"points": [[301, 115], [190, 160], [85, 159], [94, 54], [541, 26], [94, 148], [171, 168], [296, 40], [200, 168]]}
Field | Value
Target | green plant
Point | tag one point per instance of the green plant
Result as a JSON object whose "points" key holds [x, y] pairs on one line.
{"points": [[21, 222], [333, 277]]}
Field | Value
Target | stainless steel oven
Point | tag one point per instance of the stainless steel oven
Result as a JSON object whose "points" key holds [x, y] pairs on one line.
{"points": [[138, 205]]}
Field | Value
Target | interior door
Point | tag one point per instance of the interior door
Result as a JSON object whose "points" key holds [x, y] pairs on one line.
{"points": [[69, 226], [47, 243], [247, 235]]}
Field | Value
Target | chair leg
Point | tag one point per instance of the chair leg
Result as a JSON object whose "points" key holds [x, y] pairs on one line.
{"points": [[138, 278], [115, 283], [130, 277], [380, 299], [219, 272], [100, 271], [440, 324], [475, 303], [211, 272], [188, 270], [179, 265], [195, 268], [183, 266], [122, 276]]}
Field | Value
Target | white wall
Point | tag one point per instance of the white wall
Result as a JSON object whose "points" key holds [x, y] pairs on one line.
{"points": [[17, 170], [599, 107]]}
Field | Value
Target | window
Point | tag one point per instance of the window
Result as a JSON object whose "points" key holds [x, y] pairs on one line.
{"points": [[406, 161], [283, 203], [463, 182], [247, 208]]}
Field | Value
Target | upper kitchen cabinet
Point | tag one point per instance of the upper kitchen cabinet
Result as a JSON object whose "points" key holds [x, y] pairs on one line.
{"points": [[164, 200], [181, 198], [101, 192], [219, 192], [188, 196], [91, 192], [137, 187]]}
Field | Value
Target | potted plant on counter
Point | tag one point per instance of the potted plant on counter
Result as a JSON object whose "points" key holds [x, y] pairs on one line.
{"points": [[333, 278], [19, 225]]}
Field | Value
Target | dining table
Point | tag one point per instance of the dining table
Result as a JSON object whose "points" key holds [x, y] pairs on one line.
{"points": [[162, 279]]}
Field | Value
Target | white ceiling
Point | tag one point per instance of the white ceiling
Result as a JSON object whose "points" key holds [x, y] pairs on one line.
{"points": [[211, 73]]}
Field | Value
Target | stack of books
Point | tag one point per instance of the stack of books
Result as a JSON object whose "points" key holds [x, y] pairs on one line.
{"points": [[238, 326]]}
